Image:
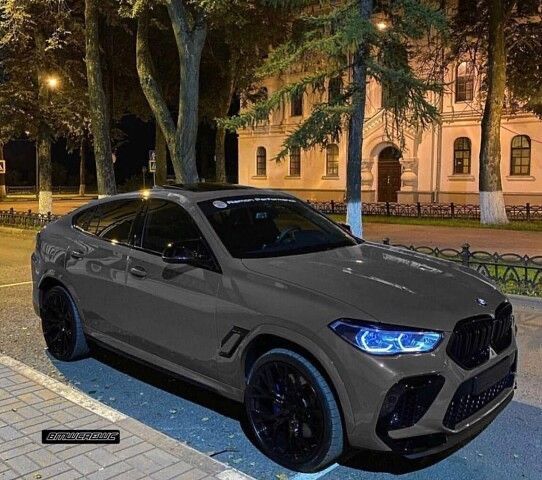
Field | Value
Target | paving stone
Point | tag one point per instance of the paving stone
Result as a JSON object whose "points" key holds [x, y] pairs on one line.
{"points": [[22, 464], [112, 471], [84, 465], [173, 471], [8, 433], [43, 457]]}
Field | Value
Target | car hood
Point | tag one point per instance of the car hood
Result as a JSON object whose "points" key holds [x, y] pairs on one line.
{"points": [[388, 284]]}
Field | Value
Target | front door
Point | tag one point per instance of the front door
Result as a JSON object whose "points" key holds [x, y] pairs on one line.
{"points": [[170, 309], [389, 174]]}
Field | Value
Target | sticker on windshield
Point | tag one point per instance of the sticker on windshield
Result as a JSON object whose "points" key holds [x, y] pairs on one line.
{"points": [[220, 204]]}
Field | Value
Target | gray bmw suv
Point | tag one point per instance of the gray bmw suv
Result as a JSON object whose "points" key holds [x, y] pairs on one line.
{"points": [[330, 341]]}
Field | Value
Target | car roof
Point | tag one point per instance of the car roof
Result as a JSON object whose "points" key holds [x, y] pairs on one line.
{"points": [[196, 192]]}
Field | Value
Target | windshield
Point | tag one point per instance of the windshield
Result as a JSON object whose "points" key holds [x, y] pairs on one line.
{"points": [[262, 226]]}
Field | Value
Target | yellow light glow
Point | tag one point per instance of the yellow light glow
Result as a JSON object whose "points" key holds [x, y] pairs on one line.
{"points": [[382, 26], [146, 193], [52, 82]]}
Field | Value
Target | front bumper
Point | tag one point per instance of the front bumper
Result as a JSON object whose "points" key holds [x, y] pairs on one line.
{"points": [[438, 427]]}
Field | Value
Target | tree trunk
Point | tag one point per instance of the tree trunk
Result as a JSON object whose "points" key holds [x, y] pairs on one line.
{"points": [[355, 133], [220, 154], [82, 167], [99, 108], [161, 156], [3, 192], [190, 39], [492, 207], [220, 140], [43, 152]]}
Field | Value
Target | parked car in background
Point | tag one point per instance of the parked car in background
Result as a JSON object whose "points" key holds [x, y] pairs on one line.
{"points": [[331, 342]]}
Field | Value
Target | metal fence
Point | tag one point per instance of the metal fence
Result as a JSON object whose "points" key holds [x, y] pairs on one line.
{"points": [[513, 273], [11, 218], [452, 210], [57, 190]]}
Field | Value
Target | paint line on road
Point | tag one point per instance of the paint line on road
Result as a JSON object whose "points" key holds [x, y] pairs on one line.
{"points": [[66, 391], [314, 476], [9, 285]]}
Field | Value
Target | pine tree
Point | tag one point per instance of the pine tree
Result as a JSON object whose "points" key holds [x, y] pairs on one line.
{"points": [[355, 41]]}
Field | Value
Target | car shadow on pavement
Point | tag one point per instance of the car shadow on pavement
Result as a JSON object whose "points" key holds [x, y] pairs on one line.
{"points": [[169, 382]]}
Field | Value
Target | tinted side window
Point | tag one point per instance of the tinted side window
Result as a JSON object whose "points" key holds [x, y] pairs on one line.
{"points": [[84, 220], [167, 223], [116, 220]]}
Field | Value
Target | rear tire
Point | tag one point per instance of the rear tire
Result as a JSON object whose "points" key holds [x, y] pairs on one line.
{"points": [[292, 412], [62, 326]]}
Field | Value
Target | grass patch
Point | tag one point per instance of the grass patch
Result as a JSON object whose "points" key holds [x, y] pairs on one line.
{"points": [[533, 226]]}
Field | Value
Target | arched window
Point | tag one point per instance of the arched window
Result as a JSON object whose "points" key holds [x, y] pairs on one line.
{"points": [[332, 161], [464, 82], [295, 162], [297, 105], [520, 163], [261, 162], [334, 90], [462, 156]]}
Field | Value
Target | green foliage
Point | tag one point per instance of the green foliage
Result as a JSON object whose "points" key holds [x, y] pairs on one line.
{"points": [[321, 43], [40, 39]]}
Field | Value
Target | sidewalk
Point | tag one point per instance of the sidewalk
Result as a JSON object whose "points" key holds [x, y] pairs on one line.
{"points": [[31, 402]]}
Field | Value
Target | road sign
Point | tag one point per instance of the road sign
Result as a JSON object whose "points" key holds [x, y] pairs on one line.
{"points": [[2, 166], [152, 161]]}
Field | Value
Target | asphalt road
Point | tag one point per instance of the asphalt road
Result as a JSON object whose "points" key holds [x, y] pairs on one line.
{"points": [[509, 449]]}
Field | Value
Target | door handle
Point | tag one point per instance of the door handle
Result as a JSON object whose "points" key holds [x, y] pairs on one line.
{"points": [[77, 254], [138, 272]]}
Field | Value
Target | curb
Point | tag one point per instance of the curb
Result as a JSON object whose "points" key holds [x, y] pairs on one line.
{"points": [[521, 301], [159, 439]]}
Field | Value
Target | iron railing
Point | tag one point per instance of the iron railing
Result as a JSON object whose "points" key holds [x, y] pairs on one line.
{"points": [[27, 219], [513, 273], [57, 190], [452, 210]]}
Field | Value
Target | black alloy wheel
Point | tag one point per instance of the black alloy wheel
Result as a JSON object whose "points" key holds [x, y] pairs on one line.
{"points": [[61, 325], [292, 412]]}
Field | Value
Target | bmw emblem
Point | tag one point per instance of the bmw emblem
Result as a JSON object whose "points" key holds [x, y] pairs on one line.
{"points": [[481, 302]]}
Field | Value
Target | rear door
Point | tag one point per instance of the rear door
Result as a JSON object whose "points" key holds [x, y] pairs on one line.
{"points": [[170, 309], [97, 261]]}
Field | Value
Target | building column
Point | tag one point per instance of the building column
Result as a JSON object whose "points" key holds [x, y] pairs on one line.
{"points": [[409, 181], [367, 180]]}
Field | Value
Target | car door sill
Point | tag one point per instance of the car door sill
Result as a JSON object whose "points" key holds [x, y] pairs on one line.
{"points": [[155, 361]]}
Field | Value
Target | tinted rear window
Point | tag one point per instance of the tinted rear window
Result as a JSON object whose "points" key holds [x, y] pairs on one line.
{"points": [[111, 221]]}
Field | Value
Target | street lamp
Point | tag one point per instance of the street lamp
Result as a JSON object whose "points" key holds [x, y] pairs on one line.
{"points": [[52, 82], [382, 25]]}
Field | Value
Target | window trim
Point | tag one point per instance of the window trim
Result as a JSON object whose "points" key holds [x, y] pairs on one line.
{"points": [[298, 98], [258, 158], [96, 208], [465, 77], [512, 148], [455, 150], [328, 175], [215, 267], [298, 154]]}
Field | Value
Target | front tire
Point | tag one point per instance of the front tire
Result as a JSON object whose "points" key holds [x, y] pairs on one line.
{"points": [[62, 326], [292, 412]]}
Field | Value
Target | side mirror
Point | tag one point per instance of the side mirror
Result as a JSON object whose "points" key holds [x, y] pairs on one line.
{"points": [[346, 227], [178, 255]]}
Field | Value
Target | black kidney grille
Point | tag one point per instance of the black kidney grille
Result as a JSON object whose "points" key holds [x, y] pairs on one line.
{"points": [[472, 339]]}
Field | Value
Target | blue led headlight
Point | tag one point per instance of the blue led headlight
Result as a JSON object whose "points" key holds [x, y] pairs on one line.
{"points": [[386, 339]]}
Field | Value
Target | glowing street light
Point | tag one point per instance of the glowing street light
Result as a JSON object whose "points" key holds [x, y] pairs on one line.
{"points": [[382, 25], [52, 82]]}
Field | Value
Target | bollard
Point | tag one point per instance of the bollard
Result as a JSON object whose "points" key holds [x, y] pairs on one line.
{"points": [[465, 254]]}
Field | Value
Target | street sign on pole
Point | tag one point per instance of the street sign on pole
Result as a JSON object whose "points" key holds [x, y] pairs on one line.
{"points": [[2, 167], [152, 161]]}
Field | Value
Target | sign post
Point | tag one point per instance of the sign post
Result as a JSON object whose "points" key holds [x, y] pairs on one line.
{"points": [[152, 165]]}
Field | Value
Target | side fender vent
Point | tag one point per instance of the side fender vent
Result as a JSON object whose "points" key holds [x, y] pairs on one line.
{"points": [[231, 341]]}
